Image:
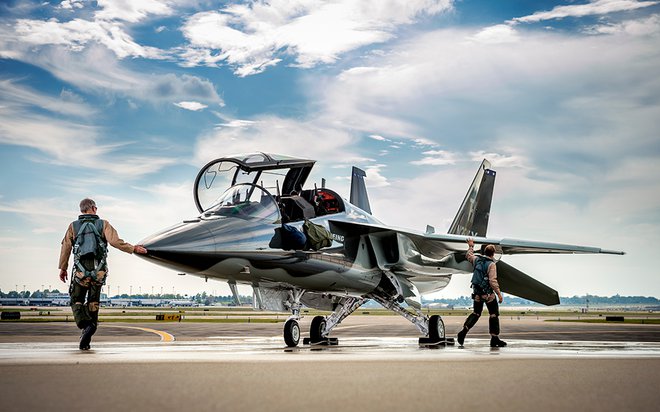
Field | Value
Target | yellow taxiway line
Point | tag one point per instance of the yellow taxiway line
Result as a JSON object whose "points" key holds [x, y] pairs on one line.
{"points": [[164, 336]]}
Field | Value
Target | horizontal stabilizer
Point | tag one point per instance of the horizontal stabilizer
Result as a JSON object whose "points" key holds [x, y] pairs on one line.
{"points": [[517, 283]]}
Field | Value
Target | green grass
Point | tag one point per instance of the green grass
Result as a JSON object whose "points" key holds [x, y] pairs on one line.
{"points": [[602, 320]]}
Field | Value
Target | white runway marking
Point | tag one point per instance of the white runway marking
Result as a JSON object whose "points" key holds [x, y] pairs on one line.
{"points": [[272, 349]]}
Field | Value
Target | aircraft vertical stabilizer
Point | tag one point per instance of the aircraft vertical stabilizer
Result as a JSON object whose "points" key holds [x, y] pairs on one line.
{"points": [[472, 216], [359, 196]]}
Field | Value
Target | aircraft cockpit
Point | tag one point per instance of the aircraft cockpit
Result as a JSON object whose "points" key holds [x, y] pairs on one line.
{"points": [[264, 186]]}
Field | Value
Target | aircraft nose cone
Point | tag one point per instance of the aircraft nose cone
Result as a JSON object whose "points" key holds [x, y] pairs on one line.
{"points": [[186, 247], [182, 237]]}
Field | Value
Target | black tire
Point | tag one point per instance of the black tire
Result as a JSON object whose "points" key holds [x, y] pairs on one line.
{"points": [[436, 328], [291, 333], [316, 330]]}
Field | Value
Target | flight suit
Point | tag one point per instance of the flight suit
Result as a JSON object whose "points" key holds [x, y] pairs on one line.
{"points": [[86, 293]]}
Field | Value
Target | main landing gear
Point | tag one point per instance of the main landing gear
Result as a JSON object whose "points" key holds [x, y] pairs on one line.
{"points": [[431, 327], [321, 325]]}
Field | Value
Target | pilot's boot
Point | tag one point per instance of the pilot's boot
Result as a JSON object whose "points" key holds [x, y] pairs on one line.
{"points": [[461, 336], [86, 336], [469, 323], [494, 329], [496, 342]]}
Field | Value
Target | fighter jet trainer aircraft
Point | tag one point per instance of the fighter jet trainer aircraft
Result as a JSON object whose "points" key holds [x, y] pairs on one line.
{"points": [[244, 201]]}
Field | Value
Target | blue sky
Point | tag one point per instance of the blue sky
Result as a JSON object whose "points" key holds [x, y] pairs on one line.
{"points": [[124, 101]]}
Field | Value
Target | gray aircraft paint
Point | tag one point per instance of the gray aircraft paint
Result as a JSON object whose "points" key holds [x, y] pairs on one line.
{"points": [[231, 241]]}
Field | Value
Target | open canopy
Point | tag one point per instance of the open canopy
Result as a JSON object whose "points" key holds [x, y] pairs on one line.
{"points": [[276, 173]]}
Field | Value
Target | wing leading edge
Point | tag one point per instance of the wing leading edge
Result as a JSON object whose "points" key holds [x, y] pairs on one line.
{"points": [[437, 246]]}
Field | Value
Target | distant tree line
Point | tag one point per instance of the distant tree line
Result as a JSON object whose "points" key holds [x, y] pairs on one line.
{"points": [[228, 300], [200, 298], [571, 301], [27, 294]]}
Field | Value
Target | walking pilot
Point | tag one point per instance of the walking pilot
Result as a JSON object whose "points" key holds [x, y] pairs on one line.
{"points": [[88, 237], [484, 288]]}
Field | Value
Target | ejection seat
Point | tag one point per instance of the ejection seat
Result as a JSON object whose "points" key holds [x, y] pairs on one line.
{"points": [[296, 208]]}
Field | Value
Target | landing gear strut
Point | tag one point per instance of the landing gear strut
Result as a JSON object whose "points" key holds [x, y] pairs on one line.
{"points": [[321, 326], [433, 328], [291, 326]]}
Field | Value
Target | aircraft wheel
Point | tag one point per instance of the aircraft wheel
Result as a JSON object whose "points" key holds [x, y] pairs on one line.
{"points": [[291, 333], [316, 330], [436, 328]]}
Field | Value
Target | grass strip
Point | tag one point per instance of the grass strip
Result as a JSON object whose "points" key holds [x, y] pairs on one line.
{"points": [[628, 321]]}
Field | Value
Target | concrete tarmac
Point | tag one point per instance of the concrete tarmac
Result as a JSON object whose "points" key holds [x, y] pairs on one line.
{"points": [[378, 365]]}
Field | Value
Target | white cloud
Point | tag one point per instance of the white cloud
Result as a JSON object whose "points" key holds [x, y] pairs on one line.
{"points": [[76, 34], [595, 7], [107, 28], [375, 177], [96, 70], [436, 158], [499, 160], [133, 10], [501, 33], [14, 94], [72, 4], [378, 137], [56, 138], [270, 134], [638, 27], [252, 36], [192, 106], [237, 123]]}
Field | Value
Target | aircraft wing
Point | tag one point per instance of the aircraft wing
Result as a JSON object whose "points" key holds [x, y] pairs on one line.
{"points": [[437, 246], [512, 280]]}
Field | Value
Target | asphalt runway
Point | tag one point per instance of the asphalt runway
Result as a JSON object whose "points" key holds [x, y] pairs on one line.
{"points": [[377, 365]]}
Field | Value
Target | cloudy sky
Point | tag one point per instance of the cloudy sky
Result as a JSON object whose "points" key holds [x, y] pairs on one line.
{"points": [[125, 100]]}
